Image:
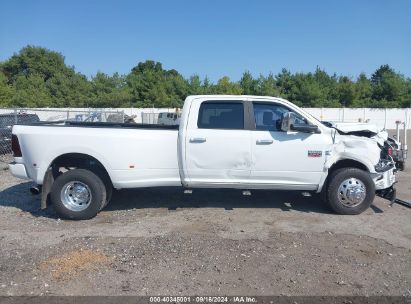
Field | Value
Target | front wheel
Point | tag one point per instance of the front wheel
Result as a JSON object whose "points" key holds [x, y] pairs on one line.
{"points": [[78, 194], [350, 191]]}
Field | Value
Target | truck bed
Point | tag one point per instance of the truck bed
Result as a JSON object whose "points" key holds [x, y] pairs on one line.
{"points": [[135, 155]]}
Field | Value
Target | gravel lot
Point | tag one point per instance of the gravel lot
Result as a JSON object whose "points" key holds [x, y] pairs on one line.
{"points": [[212, 242]]}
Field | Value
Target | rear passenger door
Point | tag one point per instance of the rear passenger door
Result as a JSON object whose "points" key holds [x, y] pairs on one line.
{"points": [[218, 145]]}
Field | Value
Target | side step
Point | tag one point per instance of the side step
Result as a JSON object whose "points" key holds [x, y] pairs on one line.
{"points": [[391, 195], [402, 202]]}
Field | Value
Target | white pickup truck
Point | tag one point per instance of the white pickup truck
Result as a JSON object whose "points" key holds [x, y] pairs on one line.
{"points": [[244, 142]]}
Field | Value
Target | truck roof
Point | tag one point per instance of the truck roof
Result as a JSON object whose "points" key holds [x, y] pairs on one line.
{"points": [[233, 96], [237, 97]]}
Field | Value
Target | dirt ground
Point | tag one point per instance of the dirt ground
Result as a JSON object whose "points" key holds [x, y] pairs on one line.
{"points": [[211, 242]]}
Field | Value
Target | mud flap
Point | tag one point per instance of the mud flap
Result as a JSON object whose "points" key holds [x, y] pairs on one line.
{"points": [[46, 188]]}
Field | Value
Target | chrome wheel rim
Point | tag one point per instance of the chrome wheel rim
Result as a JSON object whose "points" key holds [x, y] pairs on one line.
{"points": [[75, 196], [351, 192]]}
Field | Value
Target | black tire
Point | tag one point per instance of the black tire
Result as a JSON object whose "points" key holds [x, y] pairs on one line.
{"points": [[109, 192], [337, 178], [107, 182], [95, 186]]}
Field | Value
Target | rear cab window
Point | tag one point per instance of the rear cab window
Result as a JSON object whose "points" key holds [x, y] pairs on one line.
{"points": [[221, 115]]}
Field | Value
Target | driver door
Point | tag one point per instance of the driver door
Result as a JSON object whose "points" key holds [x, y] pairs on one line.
{"points": [[286, 160]]}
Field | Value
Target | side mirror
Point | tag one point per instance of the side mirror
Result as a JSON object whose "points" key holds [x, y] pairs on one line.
{"points": [[287, 120], [288, 123], [306, 128]]}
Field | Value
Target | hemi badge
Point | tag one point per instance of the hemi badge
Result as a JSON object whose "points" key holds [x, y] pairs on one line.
{"points": [[315, 153]]}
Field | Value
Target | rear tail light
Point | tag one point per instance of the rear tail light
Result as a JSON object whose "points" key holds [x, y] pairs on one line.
{"points": [[15, 146], [390, 152]]}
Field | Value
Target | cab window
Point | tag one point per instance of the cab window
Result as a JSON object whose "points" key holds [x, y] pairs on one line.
{"points": [[221, 115], [268, 116]]}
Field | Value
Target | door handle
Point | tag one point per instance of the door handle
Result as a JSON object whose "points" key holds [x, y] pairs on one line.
{"points": [[264, 141], [198, 140]]}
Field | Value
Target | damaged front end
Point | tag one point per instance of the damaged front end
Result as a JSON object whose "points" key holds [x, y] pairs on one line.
{"points": [[390, 145], [384, 180], [385, 173], [396, 151], [366, 141]]}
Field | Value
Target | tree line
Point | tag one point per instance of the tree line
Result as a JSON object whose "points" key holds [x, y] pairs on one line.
{"points": [[38, 77]]}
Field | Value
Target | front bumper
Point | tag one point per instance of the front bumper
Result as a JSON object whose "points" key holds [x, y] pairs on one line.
{"points": [[18, 170], [384, 180]]}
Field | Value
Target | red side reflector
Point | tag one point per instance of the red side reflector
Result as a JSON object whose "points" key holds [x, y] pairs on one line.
{"points": [[15, 146]]}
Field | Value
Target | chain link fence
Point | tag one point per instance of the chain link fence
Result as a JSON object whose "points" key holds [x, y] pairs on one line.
{"points": [[149, 118], [161, 118], [10, 117]]}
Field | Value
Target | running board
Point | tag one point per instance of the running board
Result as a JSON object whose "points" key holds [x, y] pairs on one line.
{"points": [[402, 202]]}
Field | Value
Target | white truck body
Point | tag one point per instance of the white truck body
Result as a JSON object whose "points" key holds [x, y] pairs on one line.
{"points": [[227, 158], [193, 156]]}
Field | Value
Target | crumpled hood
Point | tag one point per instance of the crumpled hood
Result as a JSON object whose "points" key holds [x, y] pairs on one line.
{"points": [[363, 130], [348, 127]]}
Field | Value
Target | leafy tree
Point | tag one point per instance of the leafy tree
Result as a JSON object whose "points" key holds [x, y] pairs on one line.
{"points": [[6, 92], [31, 92], [225, 86], [406, 102], [35, 60], [38, 77], [207, 86], [110, 91], [387, 85], [285, 83], [267, 86], [42, 79], [151, 85], [363, 91], [195, 86], [329, 87], [347, 95], [307, 91], [248, 84], [69, 90], [177, 87]]}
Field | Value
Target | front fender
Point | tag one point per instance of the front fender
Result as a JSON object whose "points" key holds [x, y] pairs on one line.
{"points": [[351, 157], [360, 149], [363, 151]]}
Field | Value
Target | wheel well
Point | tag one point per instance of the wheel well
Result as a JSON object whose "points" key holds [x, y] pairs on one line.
{"points": [[343, 163], [347, 163], [82, 161]]}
